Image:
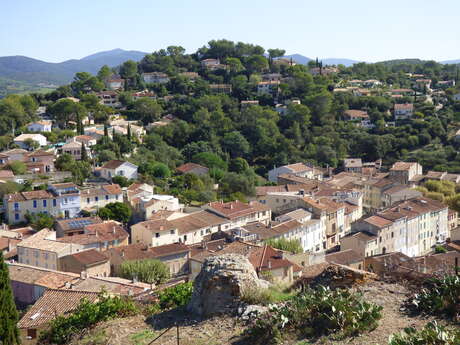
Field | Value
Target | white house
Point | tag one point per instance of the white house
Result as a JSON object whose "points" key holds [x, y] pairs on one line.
{"points": [[115, 84], [268, 87], [40, 126], [22, 140], [298, 169], [155, 77], [403, 111], [118, 168]]}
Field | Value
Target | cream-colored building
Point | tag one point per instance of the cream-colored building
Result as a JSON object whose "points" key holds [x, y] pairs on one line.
{"points": [[94, 198], [42, 250], [187, 229]]}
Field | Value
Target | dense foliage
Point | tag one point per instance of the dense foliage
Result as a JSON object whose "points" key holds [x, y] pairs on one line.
{"points": [[62, 328], [147, 271], [239, 144], [9, 334], [314, 313], [176, 296], [431, 334], [119, 211], [440, 296]]}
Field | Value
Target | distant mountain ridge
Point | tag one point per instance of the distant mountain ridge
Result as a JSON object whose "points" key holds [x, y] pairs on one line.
{"points": [[301, 59], [33, 71]]}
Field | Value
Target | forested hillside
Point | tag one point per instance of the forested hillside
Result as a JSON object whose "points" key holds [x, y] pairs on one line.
{"points": [[240, 142]]}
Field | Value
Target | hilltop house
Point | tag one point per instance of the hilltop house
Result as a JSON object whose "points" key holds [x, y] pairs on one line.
{"points": [[40, 126], [118, 168], [23, 140], [155, 77], [297, 169], [403, 111]]}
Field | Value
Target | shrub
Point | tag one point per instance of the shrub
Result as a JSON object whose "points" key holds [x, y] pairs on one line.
{"points": [[176, 296], [440, 296], [431, 334], [314, 313], [148, 271], [62, 328], [440, 249], [293, 246]]}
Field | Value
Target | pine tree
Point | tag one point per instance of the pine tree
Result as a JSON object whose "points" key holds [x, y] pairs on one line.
{"points": [[128, 134], [9, 334], [84, 153]]}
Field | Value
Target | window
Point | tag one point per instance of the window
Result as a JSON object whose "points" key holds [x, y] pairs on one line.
{"points": [[16, 216], [392, 235], [32, 333], [157, 234], [35, 203], [54, 202], [172, 232], [96, 198], [106, 197], [117, 196], [185, 238], [44, 203], [16, 205], [87, 200]]}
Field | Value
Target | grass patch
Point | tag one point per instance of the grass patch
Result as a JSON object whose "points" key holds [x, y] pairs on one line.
{"points": [[273, 294], [98, 338], [143, 337]]}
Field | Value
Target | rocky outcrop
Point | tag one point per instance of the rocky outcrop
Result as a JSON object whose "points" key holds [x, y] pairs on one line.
{"points": [[220, 284]]}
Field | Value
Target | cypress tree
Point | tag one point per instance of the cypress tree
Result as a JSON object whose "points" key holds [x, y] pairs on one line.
{"points": [[106, 130], [128, 134], [84, 153], [9, 334]]}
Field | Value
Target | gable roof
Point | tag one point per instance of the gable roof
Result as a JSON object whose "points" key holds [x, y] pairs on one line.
{"points": [[235, 209], [54, 303], [113, 164], [346, 257], [89, 257], [187, 167]]}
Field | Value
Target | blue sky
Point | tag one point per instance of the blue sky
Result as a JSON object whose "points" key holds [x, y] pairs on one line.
{"points": [[371, 30]]}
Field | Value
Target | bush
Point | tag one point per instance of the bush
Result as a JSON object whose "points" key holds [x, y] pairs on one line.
{"points": [[431, 334], [17, 167], [176, 296], [148, 271], [86, 315], [118, 211], [440, 296], [122, 181], [314, 313], [293, 246]]}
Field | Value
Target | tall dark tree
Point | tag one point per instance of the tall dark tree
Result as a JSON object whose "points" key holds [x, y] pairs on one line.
{"points": [[84, 153], [106, 130], [9, 334], [128, 134]]}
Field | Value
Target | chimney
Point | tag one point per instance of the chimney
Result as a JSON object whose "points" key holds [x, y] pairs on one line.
{"points": [[83, 275], [231, 206], [162, 227], [204, 244], [123, 253], [269, 264], [114, 230]]}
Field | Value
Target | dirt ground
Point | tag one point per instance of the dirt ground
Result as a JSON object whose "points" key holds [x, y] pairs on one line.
{"points": [[226, 330]]}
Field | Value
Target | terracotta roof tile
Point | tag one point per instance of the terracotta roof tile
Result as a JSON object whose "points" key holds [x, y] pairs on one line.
{"points": [[54, 303]]}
